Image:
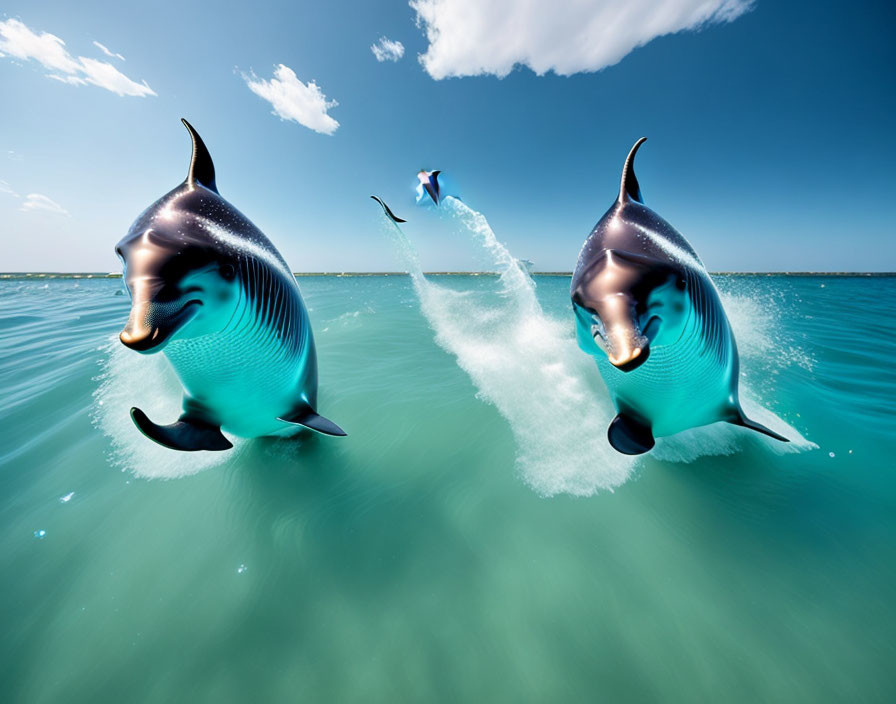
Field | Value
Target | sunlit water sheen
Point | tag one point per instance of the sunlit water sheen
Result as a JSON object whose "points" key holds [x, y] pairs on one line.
{"points": [[473, 539]]}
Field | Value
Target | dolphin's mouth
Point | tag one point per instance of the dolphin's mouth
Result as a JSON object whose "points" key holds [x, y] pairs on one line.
{"points": [[630, 355], [631, 362], [598, 335], [151, 338], [652, 328]]}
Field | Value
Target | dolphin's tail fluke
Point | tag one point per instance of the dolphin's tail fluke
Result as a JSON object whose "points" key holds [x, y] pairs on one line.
{"points": [[629, 188], [392, 216], [745, 422]]}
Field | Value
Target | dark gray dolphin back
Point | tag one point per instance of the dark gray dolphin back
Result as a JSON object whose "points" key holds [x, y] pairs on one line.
{"points": [[631, 226]]}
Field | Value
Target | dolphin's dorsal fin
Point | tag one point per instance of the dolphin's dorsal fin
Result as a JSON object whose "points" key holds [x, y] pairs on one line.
{"points": [[629, 188], [202, 170]]}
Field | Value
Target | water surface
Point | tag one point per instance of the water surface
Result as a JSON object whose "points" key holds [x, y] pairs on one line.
{"points": [[468, 541]]}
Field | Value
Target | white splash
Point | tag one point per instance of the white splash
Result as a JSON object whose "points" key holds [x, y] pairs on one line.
{"points": [[122, 386], [528, 366]]}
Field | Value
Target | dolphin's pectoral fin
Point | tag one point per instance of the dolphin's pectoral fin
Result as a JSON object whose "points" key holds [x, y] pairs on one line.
{"points": [[187, 434], [310, 419], [630, 436], [745, 422]]}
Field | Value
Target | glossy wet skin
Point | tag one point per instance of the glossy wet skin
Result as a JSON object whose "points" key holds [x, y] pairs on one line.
{"points": [[627, 303], [172, 278], [628, 290]]}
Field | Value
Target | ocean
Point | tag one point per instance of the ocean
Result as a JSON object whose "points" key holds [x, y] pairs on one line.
{"points": [[474, 538]]}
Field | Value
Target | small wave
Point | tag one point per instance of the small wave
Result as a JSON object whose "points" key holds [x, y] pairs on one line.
{"points": [[130, 379]]}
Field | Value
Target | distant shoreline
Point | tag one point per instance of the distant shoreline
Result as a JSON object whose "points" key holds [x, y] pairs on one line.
{"points": [[351, 274]]}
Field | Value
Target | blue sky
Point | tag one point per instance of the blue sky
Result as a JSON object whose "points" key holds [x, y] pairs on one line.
{"points": [[770, 125]]}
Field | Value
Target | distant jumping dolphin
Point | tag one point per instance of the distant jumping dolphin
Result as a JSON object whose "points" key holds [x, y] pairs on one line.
{"points": [[429, 180], [651, 316], [392, 216], [212, 291]]}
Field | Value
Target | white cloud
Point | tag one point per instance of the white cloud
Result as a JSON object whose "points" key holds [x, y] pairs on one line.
{"points": [[107, 52], [294, 100], [35, 201], [387, 50], [17, 41], [105, 75], [7, 189], [71, 80], [472, 37]]}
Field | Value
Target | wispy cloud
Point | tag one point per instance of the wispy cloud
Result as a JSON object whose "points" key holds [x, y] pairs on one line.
{"points": [[35, 202], [107, 52], [7, 189], [304, 103], [387, 50], [18, 41], [471, 37]]}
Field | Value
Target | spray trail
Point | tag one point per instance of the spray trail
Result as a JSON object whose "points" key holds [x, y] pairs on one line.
{"points": [[527, 364]]}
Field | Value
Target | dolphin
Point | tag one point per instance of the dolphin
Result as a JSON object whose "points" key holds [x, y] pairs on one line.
{"points": [[388, 211], [429, 182], [212, 292], [650, 315]]}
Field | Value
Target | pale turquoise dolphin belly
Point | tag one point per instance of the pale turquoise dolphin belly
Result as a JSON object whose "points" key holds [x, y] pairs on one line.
{"points": [[687, 383], [677, 388], [260, 367]]}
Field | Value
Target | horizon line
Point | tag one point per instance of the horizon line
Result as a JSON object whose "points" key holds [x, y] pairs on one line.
{"points": [[113, 275]]}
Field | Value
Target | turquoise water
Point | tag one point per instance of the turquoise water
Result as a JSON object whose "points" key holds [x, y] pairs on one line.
{"points": [[474, 538]]}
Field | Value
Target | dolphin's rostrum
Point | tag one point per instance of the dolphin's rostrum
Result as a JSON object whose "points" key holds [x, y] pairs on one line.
{"points": [[651, 316], [210, 289]]}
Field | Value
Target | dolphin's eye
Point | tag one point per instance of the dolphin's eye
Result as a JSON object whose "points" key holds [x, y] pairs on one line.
{"points": [[227, 271]]}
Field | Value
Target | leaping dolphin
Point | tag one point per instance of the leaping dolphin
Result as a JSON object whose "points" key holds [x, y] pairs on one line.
{"points": [[650, 315], [429, 181], [387, 210], [210, 289]]}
